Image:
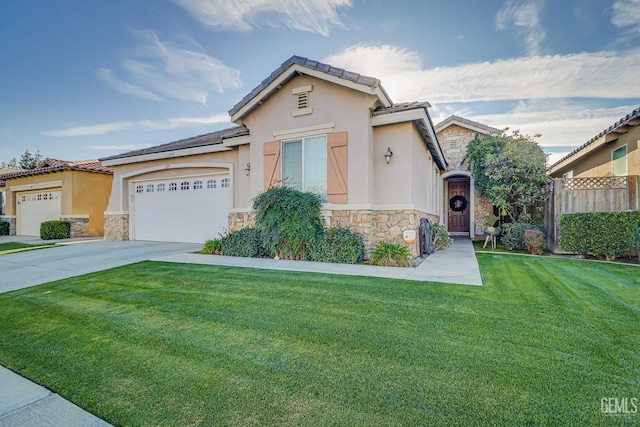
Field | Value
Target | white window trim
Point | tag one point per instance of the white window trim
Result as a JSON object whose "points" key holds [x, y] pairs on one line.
{"points": [[626, 159], [298, 133]]}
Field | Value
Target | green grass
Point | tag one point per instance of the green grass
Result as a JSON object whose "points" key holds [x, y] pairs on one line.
{"points": [[172, 344], [11, 247]]}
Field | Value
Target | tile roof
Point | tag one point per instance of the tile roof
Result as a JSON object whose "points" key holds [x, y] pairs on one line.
{"points": [[49, 165], [453, 119], [404, 106], [621, 126], [212, 138], [312, 65]]}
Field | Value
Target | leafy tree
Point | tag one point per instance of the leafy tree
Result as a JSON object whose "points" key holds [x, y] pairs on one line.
{"points": [[511, 170], [13, 164], [30, 161]]}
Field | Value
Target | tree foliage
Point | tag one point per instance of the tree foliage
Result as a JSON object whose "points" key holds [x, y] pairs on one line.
{"points": [[511, 170], [27, 161]]}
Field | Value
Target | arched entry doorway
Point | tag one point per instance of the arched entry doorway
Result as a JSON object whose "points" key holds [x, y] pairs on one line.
{"points": [[459, 203]]}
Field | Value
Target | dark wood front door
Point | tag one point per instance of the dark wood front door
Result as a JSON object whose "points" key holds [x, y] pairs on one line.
{"points": [[458, 206]]}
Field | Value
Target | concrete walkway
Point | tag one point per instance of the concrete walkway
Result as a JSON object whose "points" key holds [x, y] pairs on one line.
{"points": [[457, 264], [24, 403]]}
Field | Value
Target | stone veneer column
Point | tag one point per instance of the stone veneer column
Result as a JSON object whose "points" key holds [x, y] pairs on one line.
{"points": [[116, 226], [79, 225]]}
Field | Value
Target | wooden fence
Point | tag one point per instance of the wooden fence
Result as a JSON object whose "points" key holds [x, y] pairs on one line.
{"points": [[601, 194]]}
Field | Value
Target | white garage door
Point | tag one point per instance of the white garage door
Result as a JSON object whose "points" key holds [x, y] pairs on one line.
{"points": [[35, 208], [192, 209]]}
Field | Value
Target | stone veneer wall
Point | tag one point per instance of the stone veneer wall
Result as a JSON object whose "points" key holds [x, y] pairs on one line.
{"points": [[376, 226], [116, 226], [79, 226], [238, 220], [373, 226]]}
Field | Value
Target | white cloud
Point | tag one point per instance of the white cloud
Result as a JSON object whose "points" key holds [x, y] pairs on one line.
{"points": [[595, 75], [626, 13], [163, 70], [126, 88], [144, 125], [549, 91], [525, 15], [244, 15]]}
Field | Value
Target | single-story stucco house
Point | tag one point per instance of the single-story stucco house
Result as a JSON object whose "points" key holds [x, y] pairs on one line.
{"points": [[77, 192], [613, 152], [377, 165]]}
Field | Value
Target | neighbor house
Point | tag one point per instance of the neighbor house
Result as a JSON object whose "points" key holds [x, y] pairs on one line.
{"points": [[600, 175], [613, 152], [378, 166], [77, 192]]}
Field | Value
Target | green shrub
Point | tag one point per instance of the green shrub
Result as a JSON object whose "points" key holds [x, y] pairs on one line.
{"points": [[288, 221], [391, 255], [244, 242], [534, 240], [440, 236], [212, 247], [50, 230], [599, 233], [513, 234], [338, 244], [4, 228]]}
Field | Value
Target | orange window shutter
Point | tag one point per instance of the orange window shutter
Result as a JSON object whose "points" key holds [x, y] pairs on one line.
{"points": [[337, 167], [271, 164]]}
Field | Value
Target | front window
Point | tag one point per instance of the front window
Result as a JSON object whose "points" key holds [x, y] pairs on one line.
{"points": [[619, 161], [304, 164]]}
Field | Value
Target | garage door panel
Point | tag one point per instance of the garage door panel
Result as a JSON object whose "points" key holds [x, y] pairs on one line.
{"points": [[35, 208], [181, 210]]}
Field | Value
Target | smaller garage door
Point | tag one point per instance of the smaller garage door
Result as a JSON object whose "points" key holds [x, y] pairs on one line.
{"points": [[189, 209], [35, 208]]}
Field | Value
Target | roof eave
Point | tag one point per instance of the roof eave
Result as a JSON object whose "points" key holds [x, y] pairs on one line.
{"points": [[296, 69]]}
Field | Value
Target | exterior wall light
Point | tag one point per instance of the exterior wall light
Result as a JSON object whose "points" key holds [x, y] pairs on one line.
{"points": [[388, 155], [247, 170]]}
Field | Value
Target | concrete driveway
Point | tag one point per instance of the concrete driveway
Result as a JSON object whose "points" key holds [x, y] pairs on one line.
{"points": [[23, 269]]}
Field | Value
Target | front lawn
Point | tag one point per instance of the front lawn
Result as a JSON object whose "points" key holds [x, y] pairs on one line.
{"points": [[542, 343]]}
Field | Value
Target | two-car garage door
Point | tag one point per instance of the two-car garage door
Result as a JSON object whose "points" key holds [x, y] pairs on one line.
{"points": [[189, 209]]}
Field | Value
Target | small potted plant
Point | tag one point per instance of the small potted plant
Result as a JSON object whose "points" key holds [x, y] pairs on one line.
{"points": [[489, 221], [534, 240]]}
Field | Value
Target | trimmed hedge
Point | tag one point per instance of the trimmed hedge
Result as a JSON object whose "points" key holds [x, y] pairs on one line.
{"points": [[4, 228], [599, 233], [338, 244], [51, 230], [244, 242]]}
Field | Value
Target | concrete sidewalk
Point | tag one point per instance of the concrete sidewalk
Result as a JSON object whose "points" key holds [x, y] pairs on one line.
{"points": [[23, 403], [457, 264]]}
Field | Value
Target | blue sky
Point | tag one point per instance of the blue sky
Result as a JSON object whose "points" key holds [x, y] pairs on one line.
{"points": [[81, 80]]}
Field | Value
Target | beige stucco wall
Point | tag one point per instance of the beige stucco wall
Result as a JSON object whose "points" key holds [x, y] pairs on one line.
{"points": [[49, 178], [598, 162], [347, 109], [90, 194]]}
